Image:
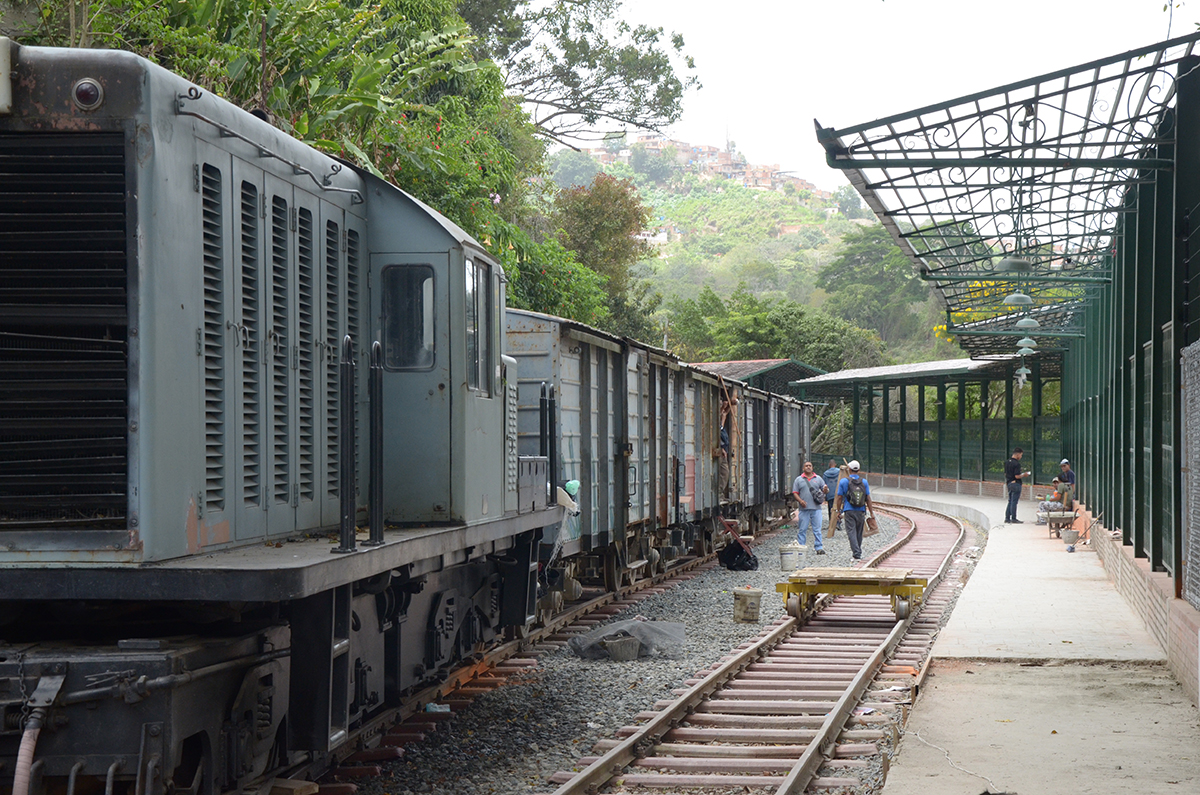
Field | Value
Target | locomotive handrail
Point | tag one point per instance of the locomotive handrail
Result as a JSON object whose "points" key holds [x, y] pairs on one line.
{"points": [[194, 93]]}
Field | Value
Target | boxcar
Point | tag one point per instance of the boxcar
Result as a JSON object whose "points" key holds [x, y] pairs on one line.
{"points": [[639, 430]]}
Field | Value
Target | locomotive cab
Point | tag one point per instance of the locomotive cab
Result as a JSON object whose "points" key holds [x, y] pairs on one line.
{"points": [[436, 305]]}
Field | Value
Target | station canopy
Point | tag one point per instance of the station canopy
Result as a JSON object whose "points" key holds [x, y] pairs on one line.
{"points": [[844, 383], [771, 375], [1008, 201]]}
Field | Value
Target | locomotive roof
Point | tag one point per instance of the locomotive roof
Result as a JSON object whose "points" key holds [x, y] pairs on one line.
{"points": [[456, 232]]}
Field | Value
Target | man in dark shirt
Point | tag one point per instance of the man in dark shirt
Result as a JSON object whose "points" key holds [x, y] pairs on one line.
{"points": [[1068, 474], [1012, 482]]}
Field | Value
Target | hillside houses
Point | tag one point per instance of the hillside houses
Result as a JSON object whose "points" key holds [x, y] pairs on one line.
{"points": [[712, 160]]}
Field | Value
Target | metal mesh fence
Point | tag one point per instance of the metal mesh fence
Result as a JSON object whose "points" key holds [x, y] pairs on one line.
{"points": [[1190, 386]]}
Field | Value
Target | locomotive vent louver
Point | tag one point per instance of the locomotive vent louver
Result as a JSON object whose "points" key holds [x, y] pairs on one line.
{"points": [[63, 332]]}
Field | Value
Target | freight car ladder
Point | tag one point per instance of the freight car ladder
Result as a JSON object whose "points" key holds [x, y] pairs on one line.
{"points": [[321, 670]]}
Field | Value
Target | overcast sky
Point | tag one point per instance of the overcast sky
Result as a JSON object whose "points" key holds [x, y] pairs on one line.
{"points": [[769, 67]]}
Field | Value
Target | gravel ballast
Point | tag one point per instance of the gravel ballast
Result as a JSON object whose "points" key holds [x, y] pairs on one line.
{"points": [[512, 739]]}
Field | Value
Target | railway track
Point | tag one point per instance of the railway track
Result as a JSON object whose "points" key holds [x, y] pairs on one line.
{"points": [[811, 703], [384, 738]]}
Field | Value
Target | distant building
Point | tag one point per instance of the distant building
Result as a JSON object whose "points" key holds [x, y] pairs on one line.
{"points": [[708, 161]]}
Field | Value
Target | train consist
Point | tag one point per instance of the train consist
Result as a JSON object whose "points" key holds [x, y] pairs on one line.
{"points": [[639, 430], [187, 427]]}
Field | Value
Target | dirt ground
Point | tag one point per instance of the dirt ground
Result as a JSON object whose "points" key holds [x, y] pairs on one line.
{"points": [[1046, 729]]}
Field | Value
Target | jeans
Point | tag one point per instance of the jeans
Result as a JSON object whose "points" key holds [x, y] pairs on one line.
{"points": [[1014, 496], [854, 530], [804, 518]]}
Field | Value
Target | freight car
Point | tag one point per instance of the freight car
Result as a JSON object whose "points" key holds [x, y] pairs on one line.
{"points": [[178, 279], [639, 430]]}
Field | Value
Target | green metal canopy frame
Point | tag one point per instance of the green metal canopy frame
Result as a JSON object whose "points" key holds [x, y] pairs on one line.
{"points": [[1017, 189]]}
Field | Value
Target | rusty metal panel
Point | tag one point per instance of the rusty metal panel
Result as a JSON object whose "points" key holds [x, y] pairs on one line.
{"points": [[589, 427], [639, 406], [689, 453]]}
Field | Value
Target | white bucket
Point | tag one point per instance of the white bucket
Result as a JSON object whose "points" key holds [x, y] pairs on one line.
{"points": [[746, 604], [790, 555]]}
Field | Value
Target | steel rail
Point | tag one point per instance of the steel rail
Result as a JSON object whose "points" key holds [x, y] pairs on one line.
{"points": [[638, 744], [820, 747]]}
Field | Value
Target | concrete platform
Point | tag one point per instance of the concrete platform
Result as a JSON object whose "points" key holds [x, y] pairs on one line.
{"points": [[1044, 680]]}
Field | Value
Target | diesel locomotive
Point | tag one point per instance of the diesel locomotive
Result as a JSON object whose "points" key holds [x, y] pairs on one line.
{"points": [[221, 349]]}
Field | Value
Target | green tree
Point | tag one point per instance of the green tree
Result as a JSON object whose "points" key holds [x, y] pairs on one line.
{"points": [[745, 327], [873, 285], [580, 67], [614, 143], [570, 167], [652, 165], [849, 204], [603, 223]]}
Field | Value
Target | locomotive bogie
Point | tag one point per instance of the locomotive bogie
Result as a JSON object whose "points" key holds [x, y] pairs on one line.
{"points": [[153, 710]]}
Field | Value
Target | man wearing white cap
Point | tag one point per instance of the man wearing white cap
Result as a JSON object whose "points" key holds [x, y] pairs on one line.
{"points": [[853, 500], [1068, 474]]}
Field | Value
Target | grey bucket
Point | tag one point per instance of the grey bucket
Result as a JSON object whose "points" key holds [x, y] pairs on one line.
{"points": [[790, 555], [623, 649]]}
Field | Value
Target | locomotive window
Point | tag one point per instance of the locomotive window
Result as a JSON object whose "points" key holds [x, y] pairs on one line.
{"points": [[408, 317], [471, 307], [478, 313]]}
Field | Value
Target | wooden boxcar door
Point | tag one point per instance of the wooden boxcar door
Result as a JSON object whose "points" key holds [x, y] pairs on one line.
{"points": [[678, 444], [608, 459], [749, 426]]}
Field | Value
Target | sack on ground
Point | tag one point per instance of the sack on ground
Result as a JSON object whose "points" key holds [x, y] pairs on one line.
{"points": [[872, 528], [856, 492], [735, 558]]}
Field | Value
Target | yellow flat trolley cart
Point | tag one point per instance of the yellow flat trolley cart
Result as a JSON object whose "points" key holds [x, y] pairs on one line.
{"points": [[804, 585]]}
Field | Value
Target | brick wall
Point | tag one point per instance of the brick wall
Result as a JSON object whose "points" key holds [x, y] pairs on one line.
{"points": [[1174, 623]]}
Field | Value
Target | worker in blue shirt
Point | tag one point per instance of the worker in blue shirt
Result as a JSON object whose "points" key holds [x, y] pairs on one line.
{"points": [[853, 501], [832, 477]]}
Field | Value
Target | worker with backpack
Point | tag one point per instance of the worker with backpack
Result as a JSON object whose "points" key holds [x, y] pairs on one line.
{"points": [[853, 500]]}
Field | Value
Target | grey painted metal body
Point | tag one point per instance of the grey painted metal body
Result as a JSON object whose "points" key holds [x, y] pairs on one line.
{"points": [[188, 481]]}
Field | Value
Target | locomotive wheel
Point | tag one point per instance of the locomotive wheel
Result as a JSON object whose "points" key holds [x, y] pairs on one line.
{"points": [[612, 570], [520, 632]]}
